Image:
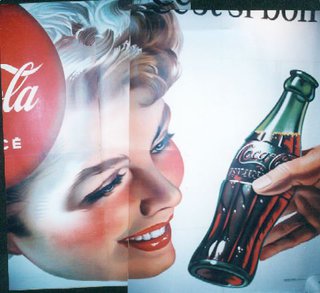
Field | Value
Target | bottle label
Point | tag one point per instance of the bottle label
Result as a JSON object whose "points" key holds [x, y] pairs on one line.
{"points": [[255, 159]]}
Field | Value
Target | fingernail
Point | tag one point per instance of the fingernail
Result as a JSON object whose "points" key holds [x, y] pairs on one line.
{"points": [[261, 183]]}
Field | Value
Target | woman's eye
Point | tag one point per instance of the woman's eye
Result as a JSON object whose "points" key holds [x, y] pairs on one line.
{"points": [[162, 144], [103, 191]]}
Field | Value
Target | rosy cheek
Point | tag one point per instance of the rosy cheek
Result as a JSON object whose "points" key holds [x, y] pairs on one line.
{"points": [[100, 225], [170, 163]]}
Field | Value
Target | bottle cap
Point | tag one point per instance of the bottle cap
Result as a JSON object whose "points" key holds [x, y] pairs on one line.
{"points": [[302, 84]]}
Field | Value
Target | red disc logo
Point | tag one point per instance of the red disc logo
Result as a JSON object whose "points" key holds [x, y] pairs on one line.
{"points": [[33, 92]]}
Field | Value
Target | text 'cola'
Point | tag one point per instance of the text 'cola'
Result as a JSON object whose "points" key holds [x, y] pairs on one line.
{"points": [[229, 253]]}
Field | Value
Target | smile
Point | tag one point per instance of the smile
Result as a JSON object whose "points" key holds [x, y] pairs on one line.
{"points": [[148, 236], [151, 239]]}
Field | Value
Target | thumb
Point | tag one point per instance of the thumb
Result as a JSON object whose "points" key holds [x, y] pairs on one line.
{"points": [[301, 171]]}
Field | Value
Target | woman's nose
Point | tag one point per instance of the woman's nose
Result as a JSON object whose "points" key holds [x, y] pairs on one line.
{"points": [[155, 192]]}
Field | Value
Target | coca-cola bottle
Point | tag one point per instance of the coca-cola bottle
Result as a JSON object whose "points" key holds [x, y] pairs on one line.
{"points": [[229, 253]]}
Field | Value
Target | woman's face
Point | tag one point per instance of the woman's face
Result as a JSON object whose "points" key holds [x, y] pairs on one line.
{"points": [[100, 208]]}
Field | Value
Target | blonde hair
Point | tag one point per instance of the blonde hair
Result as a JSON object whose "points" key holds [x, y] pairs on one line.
{"points": [[91, 35], [157, 67]]}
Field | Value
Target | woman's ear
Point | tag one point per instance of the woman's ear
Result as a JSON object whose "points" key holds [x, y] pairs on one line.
{"points": [[11, 245]]}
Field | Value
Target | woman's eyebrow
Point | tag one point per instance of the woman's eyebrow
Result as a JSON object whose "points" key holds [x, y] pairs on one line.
{"points": [[98, 169], [88, 173], [166, 114]]}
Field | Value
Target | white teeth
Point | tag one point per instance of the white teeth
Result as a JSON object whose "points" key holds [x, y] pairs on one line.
{"points": [[151, 235], [146, 236], [155, 234]]}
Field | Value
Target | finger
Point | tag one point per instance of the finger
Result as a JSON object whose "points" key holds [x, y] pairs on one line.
{"points": [[284, 228], [311, 213], [301, 171], [296, 237], [304, 152], [309, 192], [291, 208], [311, 195]]}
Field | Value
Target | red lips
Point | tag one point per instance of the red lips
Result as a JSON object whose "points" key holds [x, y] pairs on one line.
{"points": [[150, 239]]}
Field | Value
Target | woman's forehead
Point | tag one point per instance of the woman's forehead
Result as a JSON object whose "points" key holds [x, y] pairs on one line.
{"points": [[110, 126]]}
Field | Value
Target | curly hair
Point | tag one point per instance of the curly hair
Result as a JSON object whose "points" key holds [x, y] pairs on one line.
{"points": [[157, 67], [93, 39]]}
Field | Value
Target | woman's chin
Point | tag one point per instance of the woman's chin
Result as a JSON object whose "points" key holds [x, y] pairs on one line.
{"points": [[153, 265]]}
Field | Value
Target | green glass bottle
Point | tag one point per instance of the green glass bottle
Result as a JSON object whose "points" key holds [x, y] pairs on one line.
{"points": [[229, 253]]}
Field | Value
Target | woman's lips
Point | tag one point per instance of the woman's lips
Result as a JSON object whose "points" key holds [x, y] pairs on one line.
{"points": [[151, 239]]}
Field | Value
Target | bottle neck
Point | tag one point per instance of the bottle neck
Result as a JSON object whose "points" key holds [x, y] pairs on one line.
{"points": [[286, 117]]}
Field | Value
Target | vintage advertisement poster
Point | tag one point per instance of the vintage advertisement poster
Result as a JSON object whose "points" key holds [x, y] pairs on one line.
{"points": [[160, 149]]}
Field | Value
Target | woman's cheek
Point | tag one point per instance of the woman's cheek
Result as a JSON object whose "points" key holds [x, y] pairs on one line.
{"points": [[83, 229], [170, 163], [99, 225]]}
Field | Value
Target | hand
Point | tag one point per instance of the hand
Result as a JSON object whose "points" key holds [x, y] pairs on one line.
{"points": [[303, 176]]}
